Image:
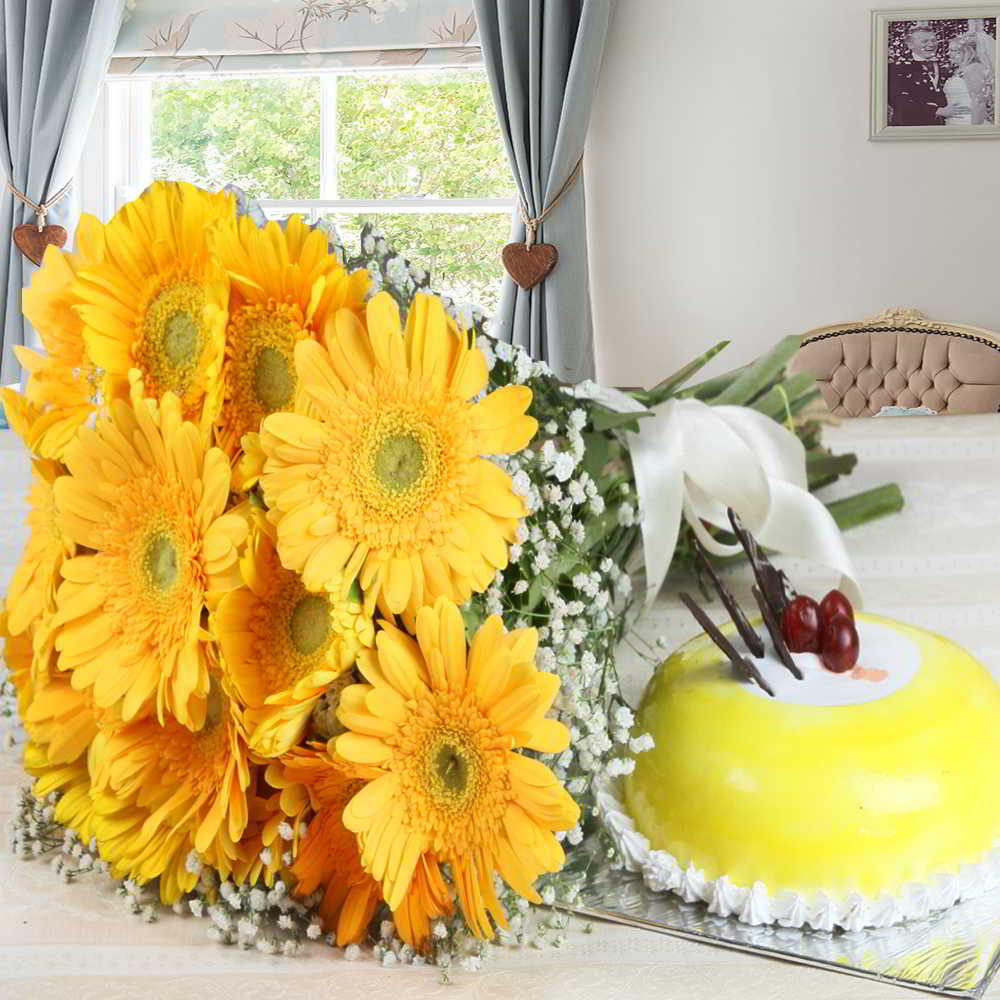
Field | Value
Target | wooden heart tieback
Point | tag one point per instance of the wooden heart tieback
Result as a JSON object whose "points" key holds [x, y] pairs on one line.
{"points": [[529, 262], [32, 240]]}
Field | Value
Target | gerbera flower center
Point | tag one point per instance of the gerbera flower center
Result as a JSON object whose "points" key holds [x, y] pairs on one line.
{"points": [[259, 372], [400, 468], [181, 338], [450, 761], [171, 339], [148, 540], [199, 760], [399, 462], [274, 379], [452, 766], [161, 562], [293, 631], [309, 625]]}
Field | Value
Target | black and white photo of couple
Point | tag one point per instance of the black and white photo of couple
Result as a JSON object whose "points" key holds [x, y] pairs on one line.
{"points": [[941, 72]]}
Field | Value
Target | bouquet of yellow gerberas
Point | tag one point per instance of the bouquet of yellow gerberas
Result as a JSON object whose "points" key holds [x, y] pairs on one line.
{"points": [[318, 573], [251, 479]]}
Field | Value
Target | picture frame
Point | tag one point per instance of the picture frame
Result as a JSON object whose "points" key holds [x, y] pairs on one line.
{"points": [[935, 73]]}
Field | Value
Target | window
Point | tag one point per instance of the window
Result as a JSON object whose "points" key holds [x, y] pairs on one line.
{"points": [[417, 151]]}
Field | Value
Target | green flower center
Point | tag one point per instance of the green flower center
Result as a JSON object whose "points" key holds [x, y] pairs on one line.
{"points": [[273, 379], [180, 338], [161, 562], [309, 626], [399, 462], [452, 768], [171, 341]]}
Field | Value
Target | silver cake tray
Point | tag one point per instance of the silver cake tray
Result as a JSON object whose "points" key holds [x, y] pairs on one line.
{"points": [[955, 953]]}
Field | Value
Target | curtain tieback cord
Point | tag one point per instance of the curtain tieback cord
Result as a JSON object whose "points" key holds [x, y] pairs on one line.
{"points": [[532, 222], [40, 210]]}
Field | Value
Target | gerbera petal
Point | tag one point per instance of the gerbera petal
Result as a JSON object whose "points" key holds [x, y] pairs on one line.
{"points": [[494, 492], [350, 349], [500, 422], [548, 736], [400, 660], [356, 913], [369, 802]]}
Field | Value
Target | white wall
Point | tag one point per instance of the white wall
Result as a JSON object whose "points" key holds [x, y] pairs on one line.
{"points": [[733, 193]]}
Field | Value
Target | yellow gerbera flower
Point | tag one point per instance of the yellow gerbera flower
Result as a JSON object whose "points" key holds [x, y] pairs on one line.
{"points": [[146, 497], [49, 304], [285, 282], [62, 724], [63, 382], [70, 781], [27, 420], [64, 400], [441, 722], [161, 791], [20, 413], [32, 591], [283, 646], [388, 483], [158, 299], [62, 719], [19, 659], [329, 855]]}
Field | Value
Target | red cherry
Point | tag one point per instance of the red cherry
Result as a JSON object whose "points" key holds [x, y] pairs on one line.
{"points": [[835, 603], [840, 645], [801, 625]]}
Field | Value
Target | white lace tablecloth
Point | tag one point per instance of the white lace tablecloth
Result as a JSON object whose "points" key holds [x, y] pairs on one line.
{"points": [[937, 564]]}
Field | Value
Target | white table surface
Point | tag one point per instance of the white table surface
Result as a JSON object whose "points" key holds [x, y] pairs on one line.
{"points": [[937, 564]]}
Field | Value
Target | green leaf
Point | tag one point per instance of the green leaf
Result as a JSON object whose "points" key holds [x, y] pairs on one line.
{"points": [[669, 386], [602, 419], [824, 468], [758, 376], [597, 453], [473, 618], [711, 388], [806, 399], [777, 401], [864, 507]]}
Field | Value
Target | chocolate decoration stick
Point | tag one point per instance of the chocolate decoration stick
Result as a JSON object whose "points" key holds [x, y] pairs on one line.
{"points": [[774, 627], [773, 583], [747, 632], [739, 662]]}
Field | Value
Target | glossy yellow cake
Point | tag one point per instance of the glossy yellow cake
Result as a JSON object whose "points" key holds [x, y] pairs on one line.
{"points": [[862, 785]]}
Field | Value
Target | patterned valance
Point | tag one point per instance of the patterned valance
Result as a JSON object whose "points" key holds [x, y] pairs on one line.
{"points": [[162, 37]]}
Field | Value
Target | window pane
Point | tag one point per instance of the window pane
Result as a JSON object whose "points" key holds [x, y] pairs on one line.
{"points": [[419, 134], [262, 134], [462, 252]]}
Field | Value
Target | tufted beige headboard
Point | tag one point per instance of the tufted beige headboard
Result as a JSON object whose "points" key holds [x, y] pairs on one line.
{"points": [[901, 358]]}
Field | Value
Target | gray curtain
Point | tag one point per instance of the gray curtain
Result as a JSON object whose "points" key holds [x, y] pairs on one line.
{"points": [[54, 56], [542, 58]]}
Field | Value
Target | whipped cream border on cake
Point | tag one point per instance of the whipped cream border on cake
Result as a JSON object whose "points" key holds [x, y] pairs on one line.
{"points": [[822, 911]]}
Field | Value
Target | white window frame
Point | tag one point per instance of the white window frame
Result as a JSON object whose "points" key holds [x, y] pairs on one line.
{"points": [[123, 168]]}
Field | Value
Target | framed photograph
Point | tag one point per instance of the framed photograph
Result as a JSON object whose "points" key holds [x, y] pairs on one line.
{"points": [[934, 73]]}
